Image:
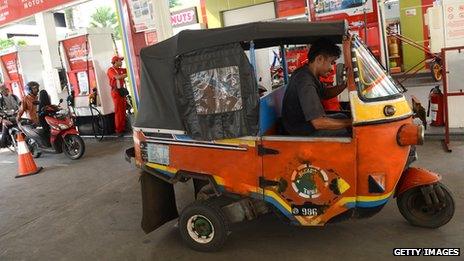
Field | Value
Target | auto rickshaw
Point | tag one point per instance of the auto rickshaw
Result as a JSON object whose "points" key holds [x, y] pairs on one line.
{"points": [[214, 151]]}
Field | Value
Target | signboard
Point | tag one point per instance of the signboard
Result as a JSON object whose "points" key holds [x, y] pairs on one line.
{"points": [[143, 18], [10, 63], [151, 37], [454, 21], [142, 15], [83, 81], [14, 81], [347, 7], [76, 52], [184, 17], [12, 10], [411, 12]]}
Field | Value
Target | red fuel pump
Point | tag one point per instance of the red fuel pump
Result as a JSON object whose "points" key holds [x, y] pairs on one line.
{"points": [[436, 107], [86, 54], [19, 65]]}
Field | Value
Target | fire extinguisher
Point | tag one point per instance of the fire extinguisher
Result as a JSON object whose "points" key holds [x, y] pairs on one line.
{"points": [[436, 107]]}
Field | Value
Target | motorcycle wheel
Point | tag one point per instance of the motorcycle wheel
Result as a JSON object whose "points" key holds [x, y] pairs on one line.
{"points": [[413, 207], [13, 147], [33, 148], [73, 146]]}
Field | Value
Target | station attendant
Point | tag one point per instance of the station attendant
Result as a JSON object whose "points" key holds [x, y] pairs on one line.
{"points": [[116, 76]]}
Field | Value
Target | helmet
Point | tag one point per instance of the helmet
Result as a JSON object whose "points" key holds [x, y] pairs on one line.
{"points": [[29, 86]]}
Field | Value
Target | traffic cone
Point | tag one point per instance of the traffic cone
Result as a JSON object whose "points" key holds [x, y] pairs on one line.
{"points": [[26, 164]]}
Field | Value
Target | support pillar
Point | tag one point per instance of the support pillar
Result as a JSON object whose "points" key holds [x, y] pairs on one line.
{"points": [[162, 19], [51, 58]]}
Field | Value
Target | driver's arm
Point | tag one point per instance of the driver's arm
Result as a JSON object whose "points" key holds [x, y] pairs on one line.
{"points": [[332, 92], [325, 123]]}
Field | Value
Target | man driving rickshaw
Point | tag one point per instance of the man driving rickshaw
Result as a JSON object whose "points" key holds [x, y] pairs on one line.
{"points": [[302, 110]]}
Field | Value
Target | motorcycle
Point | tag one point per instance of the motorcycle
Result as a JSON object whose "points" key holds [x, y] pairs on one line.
{"points": [[7, 120], [62, 138]]}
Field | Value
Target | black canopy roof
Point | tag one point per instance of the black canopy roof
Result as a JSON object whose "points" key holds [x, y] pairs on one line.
{"points": [[158, 107], [263, 34]]}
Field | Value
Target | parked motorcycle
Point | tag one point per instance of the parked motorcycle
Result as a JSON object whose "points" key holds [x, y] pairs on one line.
{"points": [[7, 120], [63, 136]]}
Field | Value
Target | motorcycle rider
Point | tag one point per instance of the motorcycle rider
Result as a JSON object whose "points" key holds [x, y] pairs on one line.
{"points": [[8, 102], [45, 107], [29, 104]]}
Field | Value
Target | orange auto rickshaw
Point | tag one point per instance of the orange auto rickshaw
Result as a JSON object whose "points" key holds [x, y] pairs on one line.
{"points": [[212, 152]]}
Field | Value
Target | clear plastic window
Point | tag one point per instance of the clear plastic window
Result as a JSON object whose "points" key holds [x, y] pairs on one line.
{"points": [[217, 90], [374, 82]]}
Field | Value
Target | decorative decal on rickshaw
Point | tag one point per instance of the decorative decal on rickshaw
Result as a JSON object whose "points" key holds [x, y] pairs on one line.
{"points": [[305, 180], [217, 90]]}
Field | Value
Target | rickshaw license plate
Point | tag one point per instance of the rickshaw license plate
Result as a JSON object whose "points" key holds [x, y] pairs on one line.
{"points": [[305, 210], [158, 153]]}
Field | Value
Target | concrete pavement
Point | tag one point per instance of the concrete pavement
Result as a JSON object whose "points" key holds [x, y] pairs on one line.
{"points": [[90, 209]]}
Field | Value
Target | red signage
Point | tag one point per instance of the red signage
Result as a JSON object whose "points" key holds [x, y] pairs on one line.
{"points": [[14, 81], [76, 52], [151, 37], [12, 10], [362, 18], [10, 63]]}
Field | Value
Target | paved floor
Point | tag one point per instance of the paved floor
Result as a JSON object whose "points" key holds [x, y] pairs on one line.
{"points": [[90, 210]]}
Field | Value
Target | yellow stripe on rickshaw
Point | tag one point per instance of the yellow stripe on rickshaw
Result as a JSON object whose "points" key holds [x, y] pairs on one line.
{"points": [[236, 142], [161, 167], [374, 111]]}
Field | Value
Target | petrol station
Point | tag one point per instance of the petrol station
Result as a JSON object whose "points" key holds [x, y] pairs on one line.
{"points": [[206, 160]]}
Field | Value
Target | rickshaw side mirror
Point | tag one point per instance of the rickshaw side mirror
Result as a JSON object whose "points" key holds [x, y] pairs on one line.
{"points": [[340, 73]]}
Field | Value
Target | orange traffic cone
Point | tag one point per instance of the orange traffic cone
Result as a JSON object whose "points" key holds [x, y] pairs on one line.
{"points": [[26, 164]]}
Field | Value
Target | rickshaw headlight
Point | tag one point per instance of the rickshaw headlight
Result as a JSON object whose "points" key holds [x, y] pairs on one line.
{"points": [[389, 110], [410, 134]]}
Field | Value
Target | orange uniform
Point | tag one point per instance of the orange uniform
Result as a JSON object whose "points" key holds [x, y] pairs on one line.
{"points": [[330, 104], [119, 102]]}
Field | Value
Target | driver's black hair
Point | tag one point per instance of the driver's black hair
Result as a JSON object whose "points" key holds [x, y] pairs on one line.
{"points": [[325, 47]]}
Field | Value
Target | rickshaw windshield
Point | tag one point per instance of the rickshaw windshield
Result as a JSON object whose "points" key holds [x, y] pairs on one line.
{"points": [[374, 82]]}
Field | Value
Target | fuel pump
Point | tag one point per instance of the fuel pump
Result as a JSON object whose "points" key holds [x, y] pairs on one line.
{"points": [[86, 55], [19, 65]]}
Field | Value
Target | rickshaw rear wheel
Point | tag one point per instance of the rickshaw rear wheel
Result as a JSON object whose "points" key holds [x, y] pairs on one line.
{"points": [[203, 226], [412, 205]]}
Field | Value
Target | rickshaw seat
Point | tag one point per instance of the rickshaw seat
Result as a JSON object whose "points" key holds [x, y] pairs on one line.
{"points": [[270, 112]]}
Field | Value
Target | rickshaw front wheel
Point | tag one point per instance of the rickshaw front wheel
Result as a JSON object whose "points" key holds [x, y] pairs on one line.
{"points": [[203, 226], [430, 206]]}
